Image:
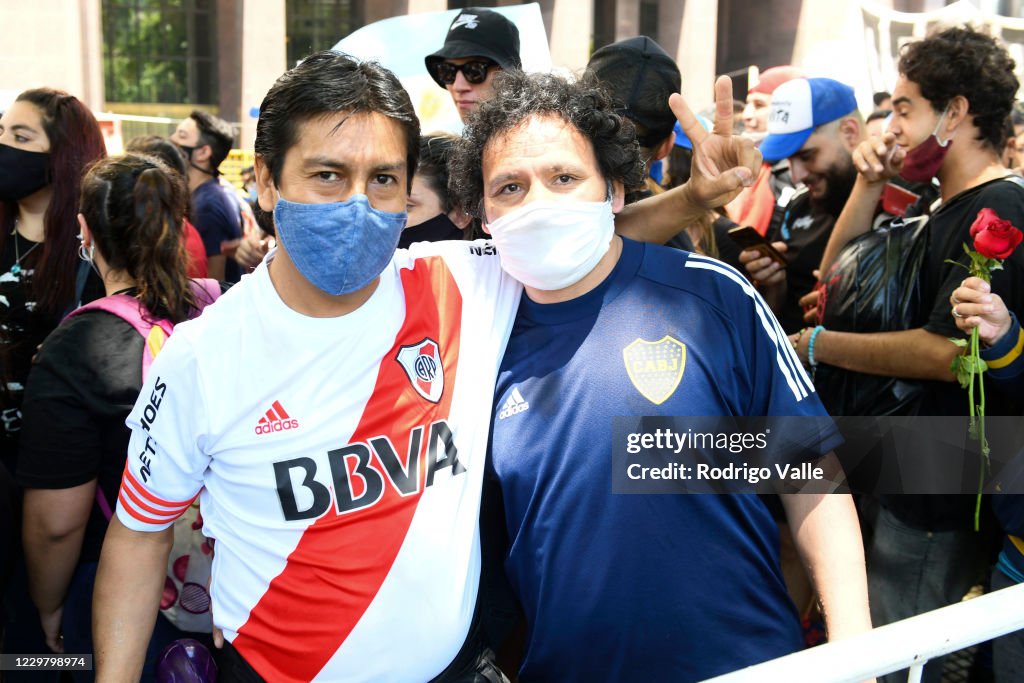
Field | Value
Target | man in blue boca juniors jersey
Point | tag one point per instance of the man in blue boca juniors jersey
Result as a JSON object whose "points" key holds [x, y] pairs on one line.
{"points": [[631, 587]]}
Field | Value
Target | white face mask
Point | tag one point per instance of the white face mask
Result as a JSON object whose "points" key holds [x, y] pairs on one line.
{"points": [[551, 245]]}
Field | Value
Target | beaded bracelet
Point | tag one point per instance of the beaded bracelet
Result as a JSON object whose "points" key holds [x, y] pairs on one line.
{"points": [[799, 336], [810, 345]]}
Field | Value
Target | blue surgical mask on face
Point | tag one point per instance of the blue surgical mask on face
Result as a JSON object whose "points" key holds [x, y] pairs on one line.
{"points": [[340, 247]]}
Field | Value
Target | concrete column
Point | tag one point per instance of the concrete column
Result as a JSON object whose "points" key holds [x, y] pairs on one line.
{"points": [[690, 33], [92, 55], [569, 34], [264, 58], [627, 19], [57, 26], [375, 10], [229, 59], [416, 6]]}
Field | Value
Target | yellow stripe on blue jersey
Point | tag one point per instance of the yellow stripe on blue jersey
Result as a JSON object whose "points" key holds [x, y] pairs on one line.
{"points": [[1010, 355]]}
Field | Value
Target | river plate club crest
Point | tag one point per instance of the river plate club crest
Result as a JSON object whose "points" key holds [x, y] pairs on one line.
{"points": [[655, 368], [422, 363]]}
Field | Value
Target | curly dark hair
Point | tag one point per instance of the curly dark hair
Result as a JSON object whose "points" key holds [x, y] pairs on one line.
{"points": [[584, 104], [964, 61]]}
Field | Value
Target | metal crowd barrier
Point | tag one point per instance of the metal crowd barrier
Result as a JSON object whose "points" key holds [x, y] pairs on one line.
{"points": [[907, 644]]}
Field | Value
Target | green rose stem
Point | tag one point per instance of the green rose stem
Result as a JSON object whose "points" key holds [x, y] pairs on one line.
{"points": [[980, 427], [994, 239], [970, 366], [983, 267]]}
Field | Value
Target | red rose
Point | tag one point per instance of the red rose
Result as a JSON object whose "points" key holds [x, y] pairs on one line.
{"points": [[994, 237]]}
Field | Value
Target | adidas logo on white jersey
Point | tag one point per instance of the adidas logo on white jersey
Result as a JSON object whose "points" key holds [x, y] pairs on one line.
{"points": [[514, 405], [276, 419]]}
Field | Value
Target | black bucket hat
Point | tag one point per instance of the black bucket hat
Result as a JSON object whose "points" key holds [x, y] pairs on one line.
{"points": [[478, 32]]}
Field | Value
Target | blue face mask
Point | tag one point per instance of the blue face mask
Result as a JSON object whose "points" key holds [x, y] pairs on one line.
{"points": [[340, 247]]}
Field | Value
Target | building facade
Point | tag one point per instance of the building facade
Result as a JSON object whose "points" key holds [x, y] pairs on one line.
{"points": [[161, 58]]}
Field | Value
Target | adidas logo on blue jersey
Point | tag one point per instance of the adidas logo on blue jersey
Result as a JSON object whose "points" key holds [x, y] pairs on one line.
{"points": [[514, 405]]}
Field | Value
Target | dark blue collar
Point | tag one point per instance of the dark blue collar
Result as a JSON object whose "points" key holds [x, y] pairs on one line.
{"points": [[589, 304]]}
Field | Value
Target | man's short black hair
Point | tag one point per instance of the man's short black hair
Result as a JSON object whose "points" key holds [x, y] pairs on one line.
{"points": [[964, 61], [879, 97], [326, 83], [215, 132], [435, 151], [517, 97]]}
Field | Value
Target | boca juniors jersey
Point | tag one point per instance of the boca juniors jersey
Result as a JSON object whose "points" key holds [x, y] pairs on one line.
{"points": [[627, 587], [339, 461]]}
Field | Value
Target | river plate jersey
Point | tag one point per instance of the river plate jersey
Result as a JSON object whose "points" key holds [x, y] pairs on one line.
{"points": [[626, 587], [340, 463]]}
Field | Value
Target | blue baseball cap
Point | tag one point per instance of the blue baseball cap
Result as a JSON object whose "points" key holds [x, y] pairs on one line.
{"points": [[682, 140], [798, 107]]}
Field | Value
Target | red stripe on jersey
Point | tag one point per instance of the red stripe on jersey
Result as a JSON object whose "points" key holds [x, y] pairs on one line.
{"points": [[164, 515], [130, 509], [270, 416], [280, 410], [340, 562], [154, 500]]}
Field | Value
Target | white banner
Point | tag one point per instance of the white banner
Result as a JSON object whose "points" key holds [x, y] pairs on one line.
{"points": [[886, 31]]}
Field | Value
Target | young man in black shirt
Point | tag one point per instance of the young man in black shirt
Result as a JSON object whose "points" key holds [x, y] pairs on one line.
{"points": [[950, 106], [206, 140]]}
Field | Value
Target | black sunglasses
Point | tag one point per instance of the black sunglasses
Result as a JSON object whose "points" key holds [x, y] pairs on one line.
{"points": [[475, 72]]}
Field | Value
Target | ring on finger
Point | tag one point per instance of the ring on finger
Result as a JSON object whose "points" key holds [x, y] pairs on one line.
{"points": [[957, 315]]}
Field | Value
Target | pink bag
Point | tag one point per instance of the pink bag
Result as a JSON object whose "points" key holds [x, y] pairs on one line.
{"points": [[186, 598]]}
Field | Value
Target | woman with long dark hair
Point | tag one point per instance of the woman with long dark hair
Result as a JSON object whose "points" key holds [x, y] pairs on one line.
{"points": [[47, 140], [84, 383]]}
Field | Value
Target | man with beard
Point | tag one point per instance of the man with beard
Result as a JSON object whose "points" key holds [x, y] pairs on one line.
{"points": [[814, 122]]}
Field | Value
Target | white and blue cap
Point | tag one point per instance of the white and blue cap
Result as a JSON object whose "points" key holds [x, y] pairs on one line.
{"points": [[682, 140], [798, 107]]}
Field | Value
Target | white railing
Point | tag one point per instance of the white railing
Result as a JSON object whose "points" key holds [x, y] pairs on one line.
{"points": [[906, 644]]}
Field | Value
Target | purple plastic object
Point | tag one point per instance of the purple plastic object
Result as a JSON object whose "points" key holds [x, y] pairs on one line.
{"points": [[186, 661]]}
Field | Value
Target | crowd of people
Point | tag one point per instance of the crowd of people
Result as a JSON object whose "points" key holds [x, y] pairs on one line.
{"points": [[396, 426]]}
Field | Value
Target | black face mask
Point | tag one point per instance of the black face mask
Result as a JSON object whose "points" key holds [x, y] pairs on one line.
{"points": [[438, 228], [188, 156], [22, 172]]}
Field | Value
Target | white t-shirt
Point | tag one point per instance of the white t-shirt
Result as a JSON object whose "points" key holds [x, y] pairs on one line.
{"points": [[340, 462]]}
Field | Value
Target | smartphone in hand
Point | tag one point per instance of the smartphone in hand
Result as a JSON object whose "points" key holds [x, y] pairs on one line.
{"points": [[749, 238]]}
